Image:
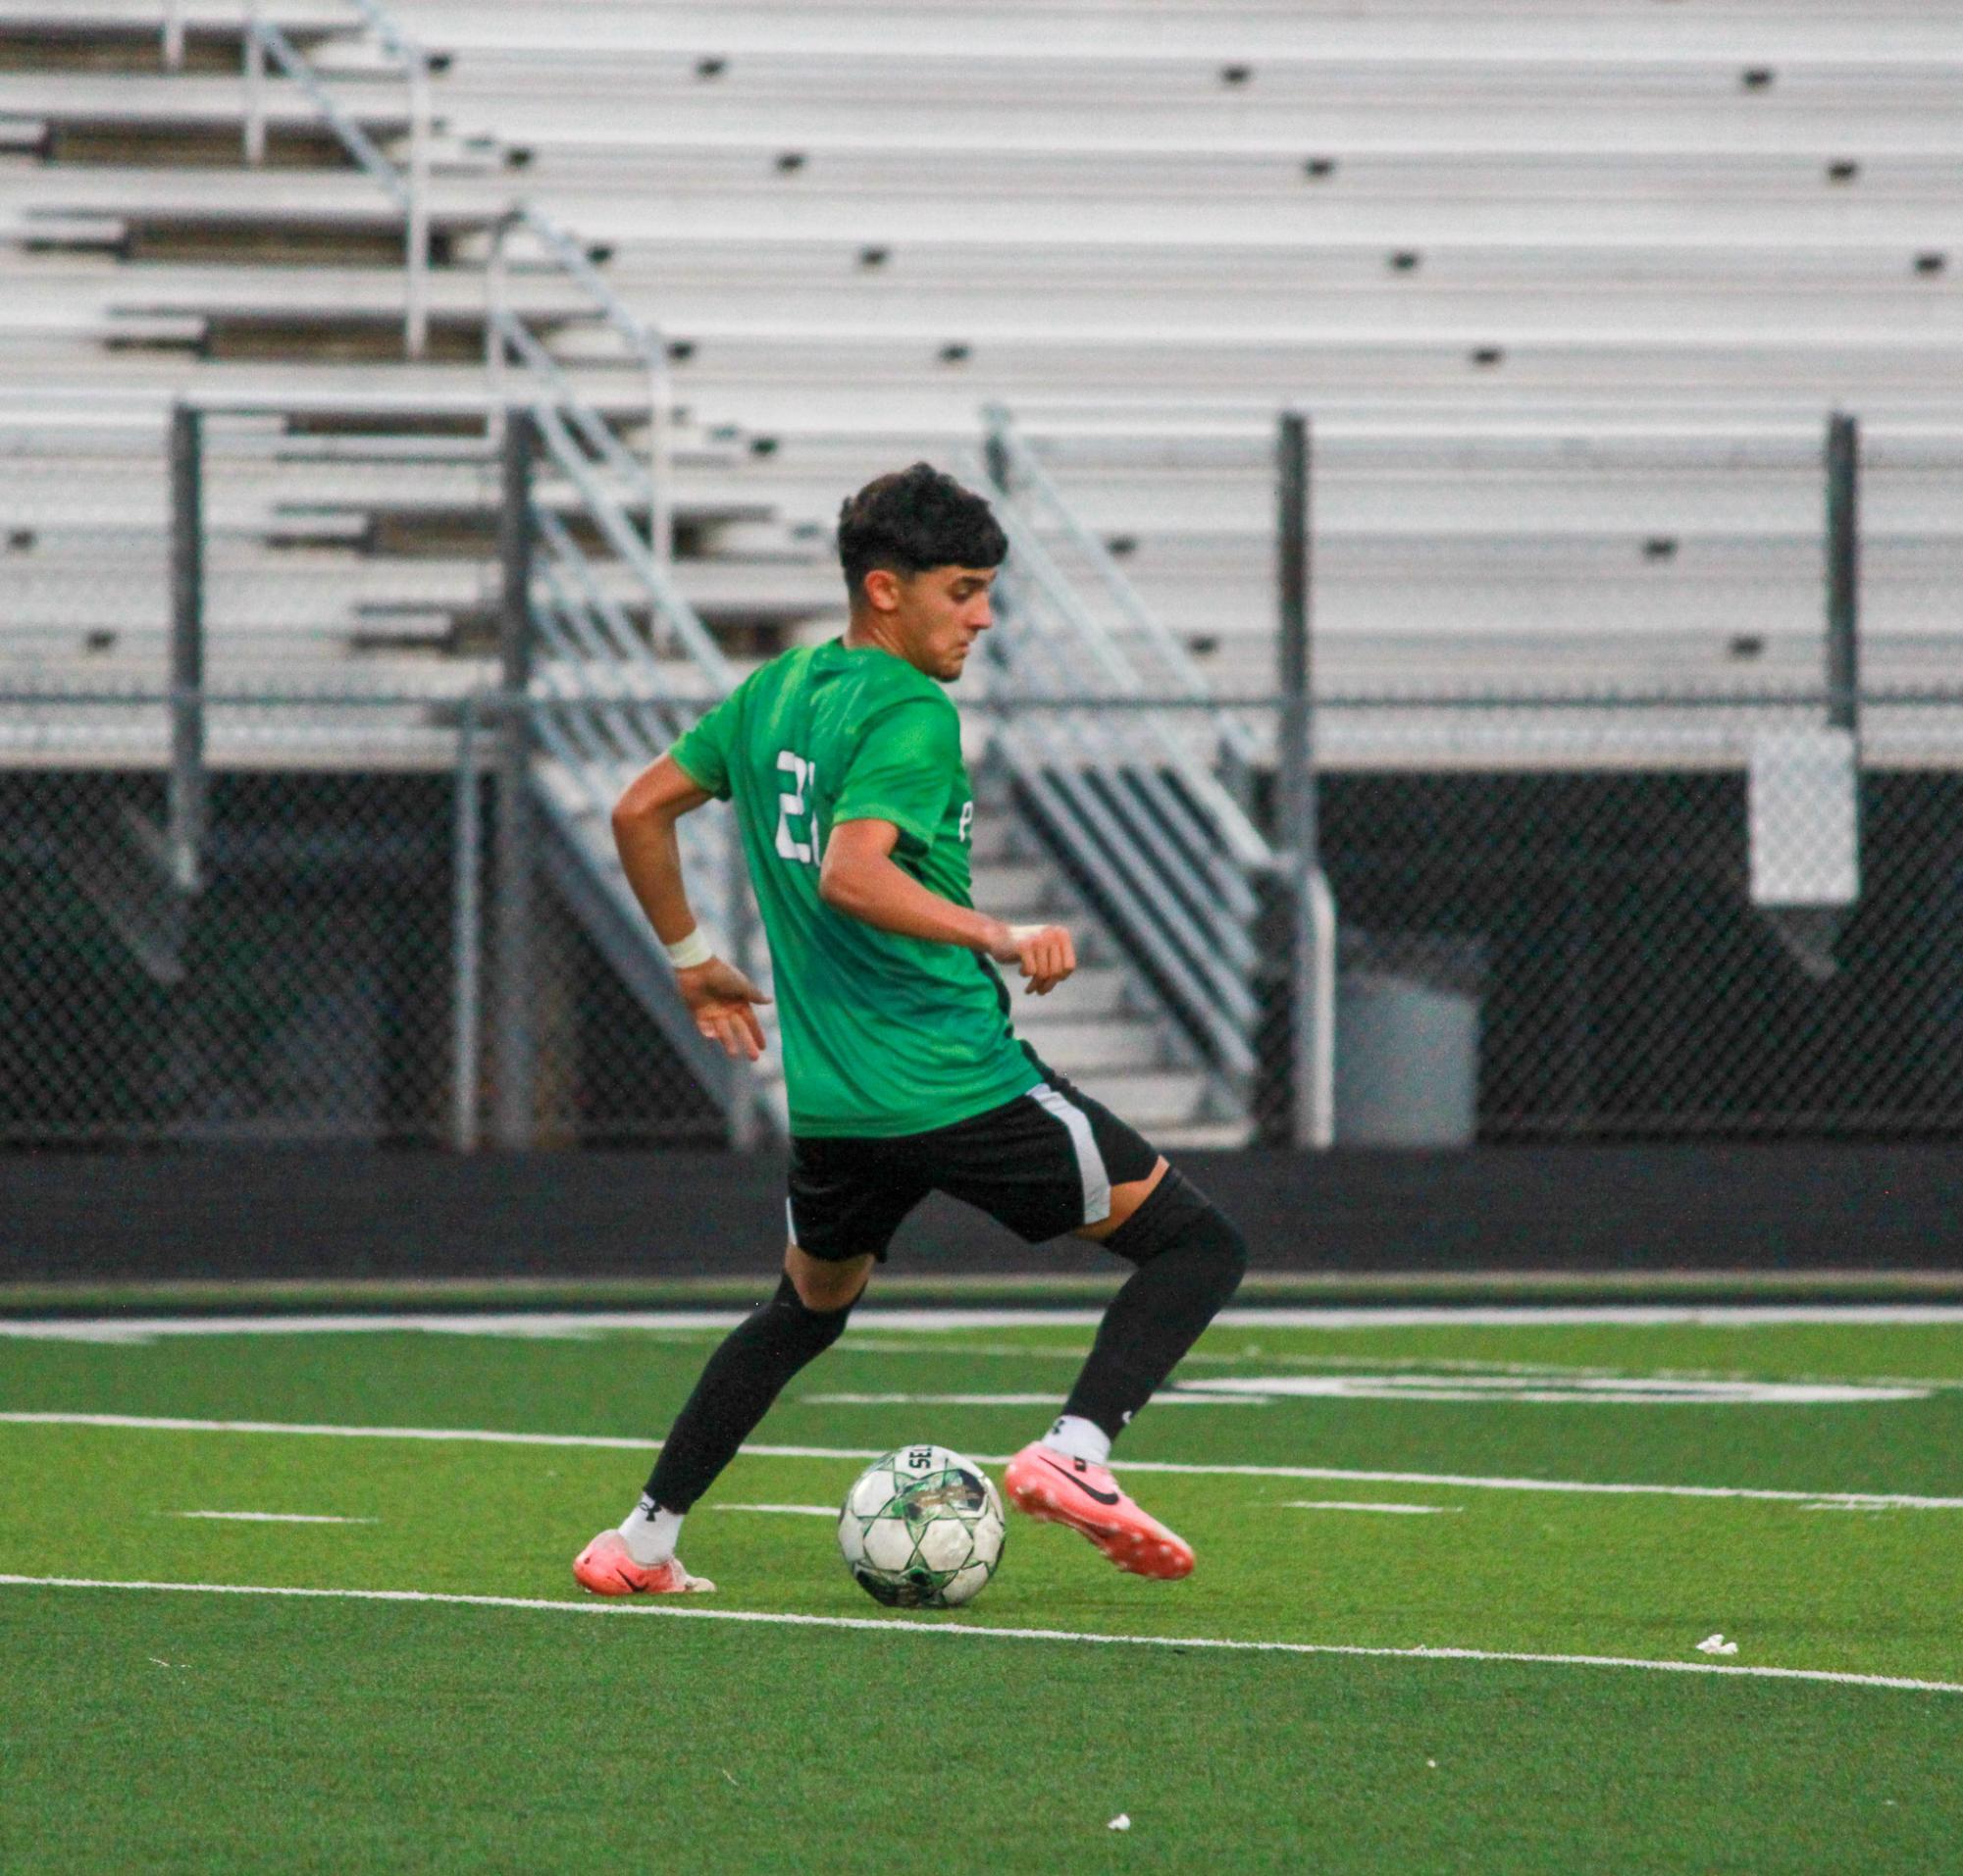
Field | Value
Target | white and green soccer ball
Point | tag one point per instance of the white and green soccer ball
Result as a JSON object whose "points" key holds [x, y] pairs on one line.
{"points": [[922, 1529]]}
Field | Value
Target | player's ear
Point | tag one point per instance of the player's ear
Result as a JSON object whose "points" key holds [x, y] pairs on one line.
{"points": [[882, 589]]}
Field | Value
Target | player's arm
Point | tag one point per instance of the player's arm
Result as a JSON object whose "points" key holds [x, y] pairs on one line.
{"points": [[859, 877], [718, 995]]}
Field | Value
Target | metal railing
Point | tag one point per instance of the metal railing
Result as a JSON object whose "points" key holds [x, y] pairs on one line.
{"points": [[1147, 809], [408, 190], [1154, 660], [610, 706], [522, 369]]}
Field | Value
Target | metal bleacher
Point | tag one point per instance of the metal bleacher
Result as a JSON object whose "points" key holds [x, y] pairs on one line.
{"points": [[1568, 286]]}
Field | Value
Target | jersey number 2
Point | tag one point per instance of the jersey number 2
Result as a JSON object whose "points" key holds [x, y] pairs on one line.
{"points": [[792, 802]]}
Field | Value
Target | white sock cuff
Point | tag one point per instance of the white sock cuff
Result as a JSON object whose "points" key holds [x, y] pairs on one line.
{"points": [[1079, 1439], [650, 1533]]}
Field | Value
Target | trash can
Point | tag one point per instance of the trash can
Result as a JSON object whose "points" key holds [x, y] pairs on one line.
{"points": [[1407, 1040]]}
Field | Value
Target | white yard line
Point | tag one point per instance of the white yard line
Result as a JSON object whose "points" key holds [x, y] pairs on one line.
{"points": [[1359, 1504], [687, 1608], [270, 1517], [551, 1323], [488, 1436]]}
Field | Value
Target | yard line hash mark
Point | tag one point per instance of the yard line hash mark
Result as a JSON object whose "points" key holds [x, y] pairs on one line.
{"points": [[1360, 1505], [613, 1443], [794, 1511], [679, 1611], [272, 1517], [1171, 1397]]}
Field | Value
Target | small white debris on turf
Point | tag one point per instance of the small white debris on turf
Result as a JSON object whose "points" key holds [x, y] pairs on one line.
{"points": [[1433, 1763], [1122, 1822], [725, 1771], [1717, 1644]]}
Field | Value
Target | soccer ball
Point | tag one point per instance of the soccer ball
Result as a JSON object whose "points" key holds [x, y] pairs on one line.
{"points": [[922, 1529]]}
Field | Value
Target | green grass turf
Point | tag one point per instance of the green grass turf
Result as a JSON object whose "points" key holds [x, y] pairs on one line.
{"points": [[340, 1734]]}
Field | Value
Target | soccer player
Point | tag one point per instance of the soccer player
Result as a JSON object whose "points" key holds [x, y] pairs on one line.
{"points": [[843, 761]]}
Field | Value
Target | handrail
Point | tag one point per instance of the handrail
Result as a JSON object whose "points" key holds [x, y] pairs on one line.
{"points": [[409, 192], [1028, 472], [505, 331], [626, 542], [1131, 808], [1247, 842]]}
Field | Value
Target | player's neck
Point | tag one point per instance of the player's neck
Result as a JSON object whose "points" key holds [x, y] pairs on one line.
{"points": [[865, 635]]}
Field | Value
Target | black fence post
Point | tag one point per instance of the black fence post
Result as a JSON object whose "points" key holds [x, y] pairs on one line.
{"points": [[515, 868], [1284, 1091], [1843, 571]]}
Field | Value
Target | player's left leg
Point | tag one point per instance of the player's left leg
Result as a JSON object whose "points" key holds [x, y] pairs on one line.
{"points": [[1190, 1260], [1057, 1161]]}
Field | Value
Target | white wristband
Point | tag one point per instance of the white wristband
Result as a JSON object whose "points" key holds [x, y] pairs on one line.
{"points": [[693, 949]]}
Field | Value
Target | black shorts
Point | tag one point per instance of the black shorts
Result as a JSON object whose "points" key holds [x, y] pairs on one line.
{"points": [[1043, 1164]]}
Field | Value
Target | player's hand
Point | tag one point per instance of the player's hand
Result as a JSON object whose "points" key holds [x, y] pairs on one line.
{"points": [[719, 997], [1044, 954]]}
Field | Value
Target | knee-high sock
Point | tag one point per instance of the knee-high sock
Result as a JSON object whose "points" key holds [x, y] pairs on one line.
{"points": [[1190, 1260], [743, 1378]]}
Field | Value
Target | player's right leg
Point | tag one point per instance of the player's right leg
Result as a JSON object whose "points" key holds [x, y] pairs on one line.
{"points": [[846, 1202], [744, 1376]]}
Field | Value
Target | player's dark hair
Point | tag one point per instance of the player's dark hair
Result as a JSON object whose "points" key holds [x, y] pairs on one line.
{"points": [[914, 519]]}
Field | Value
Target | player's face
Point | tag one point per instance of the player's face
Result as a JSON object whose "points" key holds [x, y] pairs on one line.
{"points": [[940, 616]]}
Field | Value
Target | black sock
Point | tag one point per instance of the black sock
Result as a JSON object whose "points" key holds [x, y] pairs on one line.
{"points": [[743, 1378], [1190, 1260]]}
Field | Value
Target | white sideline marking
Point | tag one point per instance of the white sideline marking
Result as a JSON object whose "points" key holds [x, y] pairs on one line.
{"points": [[686, 1608], [1359, 1504], [554, 1323], [1542, 1390], [272, 1517], [613, 1443], [1171, 1397], [795, 1511]]}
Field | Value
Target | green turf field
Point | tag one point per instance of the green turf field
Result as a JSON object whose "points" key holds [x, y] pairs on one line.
{"points": [[1369, 1495]]}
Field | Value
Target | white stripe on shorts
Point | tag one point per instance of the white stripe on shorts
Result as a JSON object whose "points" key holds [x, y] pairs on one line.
{"points": [[1090, 1162]]}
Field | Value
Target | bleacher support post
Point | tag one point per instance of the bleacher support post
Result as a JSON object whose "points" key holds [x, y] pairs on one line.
{"points": [[187, 767], [516, 856]]}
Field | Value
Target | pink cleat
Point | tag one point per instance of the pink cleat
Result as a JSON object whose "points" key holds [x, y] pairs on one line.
{"points": [[607, 1567], [1048, 1484]]}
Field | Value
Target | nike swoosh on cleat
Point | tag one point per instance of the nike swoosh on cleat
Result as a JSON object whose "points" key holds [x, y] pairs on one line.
{"points": [[1089, 1491]]}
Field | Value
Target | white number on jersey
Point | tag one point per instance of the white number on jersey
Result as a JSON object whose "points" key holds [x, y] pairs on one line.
{"points": [[792, 804], [968, 820]]}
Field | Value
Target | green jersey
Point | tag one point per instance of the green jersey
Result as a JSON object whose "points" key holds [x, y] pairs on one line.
{"points": [[881, 1034]]}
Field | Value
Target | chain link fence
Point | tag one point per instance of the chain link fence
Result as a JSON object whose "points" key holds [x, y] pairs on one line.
{"points": [[332, 972], [1690, 878], [1614, 925], [1552, 926]]}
